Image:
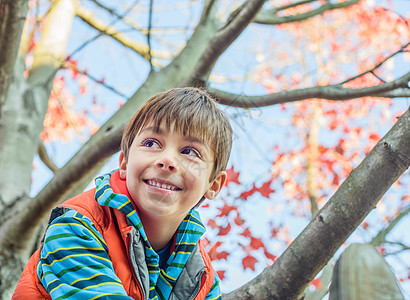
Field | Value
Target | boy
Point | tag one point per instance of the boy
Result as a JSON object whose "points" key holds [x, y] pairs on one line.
{"points": [[136, 235]]}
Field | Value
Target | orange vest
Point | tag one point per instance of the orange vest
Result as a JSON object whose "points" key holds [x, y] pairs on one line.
{"points": [[112, 225]]}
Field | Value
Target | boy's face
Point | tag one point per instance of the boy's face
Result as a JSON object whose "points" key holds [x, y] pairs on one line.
{"points": [[167, 173]]}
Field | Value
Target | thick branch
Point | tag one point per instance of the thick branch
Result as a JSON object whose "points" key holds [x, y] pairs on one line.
{"points": [[225, 37], [334, 223], [31, 211], [12, 16], [270, 17], [395, 88]]}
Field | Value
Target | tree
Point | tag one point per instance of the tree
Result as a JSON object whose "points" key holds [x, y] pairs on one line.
{"points": [[36, 93]]}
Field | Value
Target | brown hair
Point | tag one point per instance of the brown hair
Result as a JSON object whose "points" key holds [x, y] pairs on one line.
{"points": [[192, 112]]}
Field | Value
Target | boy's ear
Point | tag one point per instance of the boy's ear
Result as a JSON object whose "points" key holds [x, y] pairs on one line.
{"points": [[123, 166], [216, 185]]}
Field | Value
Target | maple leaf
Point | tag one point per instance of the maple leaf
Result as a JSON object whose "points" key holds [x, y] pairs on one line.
{"points": [[249, 262], [232, 176], [215, 254], [256, 243], [226, 209], [269, 255], [221, 274], [249, 193], [225, 230], [265, 190], [246, 233], [211, 223], [239, 221]]}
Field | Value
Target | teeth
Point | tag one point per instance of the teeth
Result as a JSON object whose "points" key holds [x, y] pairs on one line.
{"points": [[162, 185]]}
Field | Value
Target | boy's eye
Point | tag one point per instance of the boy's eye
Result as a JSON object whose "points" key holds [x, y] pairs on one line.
{"points": [[191, 152], [150, 143]]}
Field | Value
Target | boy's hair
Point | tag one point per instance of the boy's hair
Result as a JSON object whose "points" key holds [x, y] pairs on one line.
{"points": [[192, 112]]}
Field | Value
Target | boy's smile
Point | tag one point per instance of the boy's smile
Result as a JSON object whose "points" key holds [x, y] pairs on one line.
{"points": [[168, 173]]}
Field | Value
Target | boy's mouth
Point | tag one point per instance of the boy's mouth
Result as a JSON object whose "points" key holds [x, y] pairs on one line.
{"points": [[162, 184]]}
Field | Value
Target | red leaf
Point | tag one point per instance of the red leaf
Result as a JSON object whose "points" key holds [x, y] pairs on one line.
{"points": [[221, 274], [246, 233], [265, 189], [211, 223], [215, 254], [249, 262], [232, 176], [249, 193], [221, 255], [225, 230], [226, 209], [268, 255], [256, 243], [239, 221]]}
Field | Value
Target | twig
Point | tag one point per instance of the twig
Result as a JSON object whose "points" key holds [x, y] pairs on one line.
{"points": [[93, 78], [45, 158], [401, 50], [151, 2], [380, 237]]}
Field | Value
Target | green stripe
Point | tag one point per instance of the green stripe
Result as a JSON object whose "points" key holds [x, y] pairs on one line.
{"points": [[109, 198], [67, 295], [65, 235], [74, 269], [189, 231], [176, 265], [160, 294], [214, 286]]}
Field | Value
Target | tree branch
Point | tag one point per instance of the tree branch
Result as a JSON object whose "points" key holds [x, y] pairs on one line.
{"points": [[334, 223], [42, 152], [27, 214], [12, 16], [401, 50], [238, 21], [270, 17], [139, 48], [67, 65], [380, 237], [395, 88]]}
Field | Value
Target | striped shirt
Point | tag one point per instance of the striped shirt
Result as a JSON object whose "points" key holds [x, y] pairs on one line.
{"points": [[74, 261]]}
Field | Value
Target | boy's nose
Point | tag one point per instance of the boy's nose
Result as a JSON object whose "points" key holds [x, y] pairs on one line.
{"points": [[167, 163]]}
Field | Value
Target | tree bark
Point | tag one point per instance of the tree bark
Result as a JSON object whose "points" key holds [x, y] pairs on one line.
{"points": [[334, 223], [12, 16]]}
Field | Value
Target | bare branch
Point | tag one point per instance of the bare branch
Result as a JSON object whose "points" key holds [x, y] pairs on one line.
{"points": [[238, 21], [12, 16], [334, 223], [395, 88], [139, 48], [42, 152], [95, 79], [401, 50], [293, 5], [270, 17], [380, 237], [151, 4]]}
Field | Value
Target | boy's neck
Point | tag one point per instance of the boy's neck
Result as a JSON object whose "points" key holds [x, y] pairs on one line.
{"points": [[159, 231]]}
